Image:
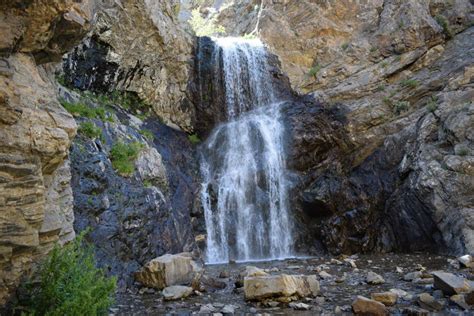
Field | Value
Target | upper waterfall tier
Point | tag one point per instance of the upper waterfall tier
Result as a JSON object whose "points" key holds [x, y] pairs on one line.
{"points": [[244, 190]]}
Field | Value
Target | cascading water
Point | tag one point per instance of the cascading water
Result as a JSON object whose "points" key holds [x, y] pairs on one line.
{"points": [[244, 193]]}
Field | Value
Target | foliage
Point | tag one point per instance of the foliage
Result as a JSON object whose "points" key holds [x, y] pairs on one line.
{"points": [[345, 46], [90, 130], [123, 156], [410, 83], [147, 134], [69, 283], [205, 27], [441, 20], [83, 110], [194, 139], [400, 107], [380, 87], [250, 36], [432, 104], [313, 71]]}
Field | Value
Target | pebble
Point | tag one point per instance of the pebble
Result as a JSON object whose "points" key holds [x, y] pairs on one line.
{"points": [[229, 309], [324, 275], [300, 306], [374, 279]]}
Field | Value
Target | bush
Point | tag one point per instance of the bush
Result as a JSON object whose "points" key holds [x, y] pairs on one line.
{"points": [[123, 157], [83, 110], [90, 130], [410, 83], [441, 20], [147, 134], [194, 139], [432, 104], [205, 27], [401, 106], [313, 71], [69, 283]]}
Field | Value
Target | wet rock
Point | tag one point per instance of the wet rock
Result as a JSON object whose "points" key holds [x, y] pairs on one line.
{"points": [[402, 294], [207, 309], [449, 283], [412, 276], [374, 279], [459, 300], [167, 270], [280, 286], [365, 306], [324, 275], [176, 292], [229, 309], [386, 298], [466, 261], [415, 311], [427, 301], [300, 306]]}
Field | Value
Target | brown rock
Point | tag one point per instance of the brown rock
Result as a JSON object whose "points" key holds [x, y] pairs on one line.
{"points": [[365, 306], [167, 270], [286, 287], [386, 298]]}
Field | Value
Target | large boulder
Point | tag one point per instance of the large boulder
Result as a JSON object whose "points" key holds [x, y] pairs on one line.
{"points": [[280, 287], [167, 270], [451, 284]]}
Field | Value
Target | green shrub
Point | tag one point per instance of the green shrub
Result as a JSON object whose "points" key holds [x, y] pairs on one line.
{"points": [[68, 283], [123, 156], [250, 36], [441, 20], [313, 71], [83, 110], [205, 27], [432, 104], [410, 83], [345, 46], [384, 64], [90, 130], [147, 134], [400, 107], [194, 139], [380, 87]]}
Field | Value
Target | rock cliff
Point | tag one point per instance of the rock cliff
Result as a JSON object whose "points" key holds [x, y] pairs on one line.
{"points": [[386, 163], [35, 133]]}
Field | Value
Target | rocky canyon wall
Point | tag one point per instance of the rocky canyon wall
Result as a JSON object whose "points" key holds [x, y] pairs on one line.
{"points": [[35, 133], [391, 169]]}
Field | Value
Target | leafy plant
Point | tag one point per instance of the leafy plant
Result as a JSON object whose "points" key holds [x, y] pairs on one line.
{"points": [[194, 139], [345, 46], [410, 83], [123, 156], [441, 20], [68, 283], [82, 110], [90, 130], [205, 27], [432, 104], [400, 107], [147, 134], [380, 87], [313, 71]]}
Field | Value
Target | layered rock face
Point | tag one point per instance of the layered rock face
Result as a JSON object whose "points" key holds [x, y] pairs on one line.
{"points": [[386, 164], [140, 47], [35, 133]]}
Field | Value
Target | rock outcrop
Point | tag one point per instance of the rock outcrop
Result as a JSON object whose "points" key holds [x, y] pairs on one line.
{"points": [[35, 133], [139, 47], [386, 162]]}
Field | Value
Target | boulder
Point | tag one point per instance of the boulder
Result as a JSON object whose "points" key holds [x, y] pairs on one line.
{"points": [[466, 261], [280, 286], [365, 306], [449, 283], [427, 301], [386, 298], [460, 301], [176, 292], [374, 279], [167, 270]]}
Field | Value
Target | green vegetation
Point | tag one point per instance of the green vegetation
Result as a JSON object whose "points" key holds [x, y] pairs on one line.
{"points": [[147, 184], [380, 87], [384, 64], [123, 156], [205, 27], [83, 110], [193, 138], [373, 49], [345, 46], [432, 104], [313, 71], [387, 100], [250, 36], [463, 151], [90, 130], [441, 20], [147, 134], [68, 283], [409, 83], [400, 107]]}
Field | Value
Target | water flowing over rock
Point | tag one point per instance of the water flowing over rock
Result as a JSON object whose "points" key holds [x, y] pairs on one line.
{"points": [[245, 191]]}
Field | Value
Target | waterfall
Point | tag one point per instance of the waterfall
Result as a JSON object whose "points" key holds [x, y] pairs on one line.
{"points": [[244, 189]]}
